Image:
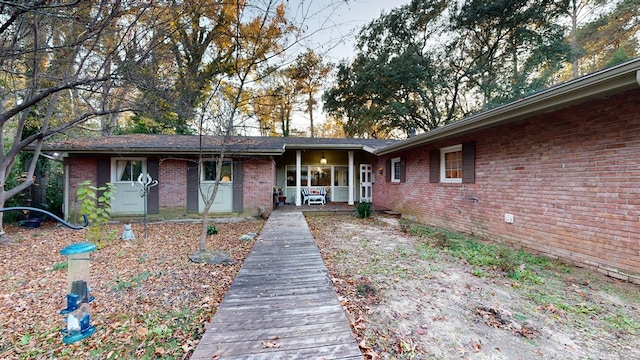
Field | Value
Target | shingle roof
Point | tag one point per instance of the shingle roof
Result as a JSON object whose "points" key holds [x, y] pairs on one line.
{"points": [[190, 144]]}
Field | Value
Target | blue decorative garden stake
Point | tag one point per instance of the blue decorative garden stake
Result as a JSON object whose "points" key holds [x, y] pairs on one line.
{"points": [[78, 299]]}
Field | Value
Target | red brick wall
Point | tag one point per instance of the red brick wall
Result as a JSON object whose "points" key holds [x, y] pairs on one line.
{"points": [[172, 178], [571, 179], [80, 169], [259, 179]]}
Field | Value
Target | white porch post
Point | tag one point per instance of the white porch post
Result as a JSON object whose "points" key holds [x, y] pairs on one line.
{"points": [[298, 176], [351, 184]]}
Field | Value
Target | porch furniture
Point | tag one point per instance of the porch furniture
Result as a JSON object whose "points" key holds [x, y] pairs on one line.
{"points": [[314, 195]]}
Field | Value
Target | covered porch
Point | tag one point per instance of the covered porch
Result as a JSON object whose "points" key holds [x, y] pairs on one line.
{"points": [[345, 175]]}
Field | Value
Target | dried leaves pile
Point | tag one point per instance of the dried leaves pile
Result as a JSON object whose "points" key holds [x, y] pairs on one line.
{"points": [[150, 300]]}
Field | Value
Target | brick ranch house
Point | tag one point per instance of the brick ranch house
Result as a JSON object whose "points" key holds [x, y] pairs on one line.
{"points": [[252, 169], [557, 172]]}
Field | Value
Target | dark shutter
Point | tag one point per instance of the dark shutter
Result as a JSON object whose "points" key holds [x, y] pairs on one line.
{"points": [[153, 197], [388, 173], [403, 169], [104, 174], [469, 162], [192, 187], [434, 166], [238, 196]]}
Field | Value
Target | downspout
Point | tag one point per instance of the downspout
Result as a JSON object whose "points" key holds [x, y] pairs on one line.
{"points": [[298, 175]]}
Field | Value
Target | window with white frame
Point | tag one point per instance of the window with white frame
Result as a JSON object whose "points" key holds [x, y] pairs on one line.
{"points": [[395, 169], [128, 169], [451, 164], [209, 173]]}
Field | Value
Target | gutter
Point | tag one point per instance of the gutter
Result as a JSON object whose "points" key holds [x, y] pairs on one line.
{"points": [[596, 85]]}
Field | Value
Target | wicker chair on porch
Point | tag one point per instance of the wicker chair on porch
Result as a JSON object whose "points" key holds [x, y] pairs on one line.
{"points": [[314, 195]]}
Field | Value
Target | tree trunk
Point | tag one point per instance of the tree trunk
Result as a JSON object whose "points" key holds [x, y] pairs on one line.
{"points": [[310, 109]]}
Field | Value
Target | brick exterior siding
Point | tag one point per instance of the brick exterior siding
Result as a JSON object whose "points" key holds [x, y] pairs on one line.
{"points": [[80, 169], [172, 187], [570, 178], [259, 177]]}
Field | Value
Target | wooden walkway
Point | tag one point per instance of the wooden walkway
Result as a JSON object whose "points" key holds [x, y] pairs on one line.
{"points": [[281, 304]]}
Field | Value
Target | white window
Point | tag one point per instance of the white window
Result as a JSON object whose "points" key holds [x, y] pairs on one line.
{"points": [[395, 169], [128, 169], [451, 164]]}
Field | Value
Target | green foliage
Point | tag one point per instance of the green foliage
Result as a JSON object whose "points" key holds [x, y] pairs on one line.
{"points": [[517, 265], [212, 230], [134, 281], [96, 203], [60, 266], [366, 289], [363, 209]]}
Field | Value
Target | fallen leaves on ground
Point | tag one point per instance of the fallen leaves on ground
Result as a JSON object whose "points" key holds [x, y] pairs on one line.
{"points": [[408, 297], [150, 299]]}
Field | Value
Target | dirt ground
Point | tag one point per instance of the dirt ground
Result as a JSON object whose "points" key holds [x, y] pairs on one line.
{"points": [[409, 299]]}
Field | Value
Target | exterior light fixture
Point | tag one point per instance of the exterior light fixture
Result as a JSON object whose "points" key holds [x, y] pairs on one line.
{"points": [[323, 160], [380, 170]]}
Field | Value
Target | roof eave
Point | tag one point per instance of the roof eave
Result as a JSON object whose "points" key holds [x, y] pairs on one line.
{"points": [[607, 82], [323, 146], [173, 152]]}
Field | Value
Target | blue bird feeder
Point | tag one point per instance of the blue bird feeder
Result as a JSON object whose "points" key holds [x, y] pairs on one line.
{"points": [[78, 298]]}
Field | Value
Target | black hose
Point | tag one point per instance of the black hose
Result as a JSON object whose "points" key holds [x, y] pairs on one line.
{"points": [[55, 217]]}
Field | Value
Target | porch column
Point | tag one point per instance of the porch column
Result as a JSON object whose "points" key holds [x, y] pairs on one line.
{"points": [[351, 184], [298, 176]]}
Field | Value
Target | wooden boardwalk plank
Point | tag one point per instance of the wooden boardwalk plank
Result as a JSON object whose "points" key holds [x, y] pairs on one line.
{"points": [[282, 295]]}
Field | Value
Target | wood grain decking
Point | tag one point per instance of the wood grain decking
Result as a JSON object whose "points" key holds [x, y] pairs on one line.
{"points": [[281, 304]]}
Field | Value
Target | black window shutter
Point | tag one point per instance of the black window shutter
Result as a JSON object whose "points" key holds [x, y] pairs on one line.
{"points": [[238, 186], [192, 187], [153, 197], [104, 172], [469, 162], [387, 174], [403, 169], [434, 166]]}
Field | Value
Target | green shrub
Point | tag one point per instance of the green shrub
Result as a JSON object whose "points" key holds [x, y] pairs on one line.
{"points": [[97, 207], [212, 230], [363, 210]]}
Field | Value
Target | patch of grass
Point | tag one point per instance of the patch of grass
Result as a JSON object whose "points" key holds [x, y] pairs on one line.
{"points": [[426, 252], [133, 282], [518, 265], [544, 299], [519, 317], [585, 308], [479, 273], [400, 250], [524, 275], [63, 265], [621, 322]]}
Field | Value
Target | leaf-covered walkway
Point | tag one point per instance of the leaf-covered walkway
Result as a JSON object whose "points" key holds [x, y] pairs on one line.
{"points": [[281, 304]]}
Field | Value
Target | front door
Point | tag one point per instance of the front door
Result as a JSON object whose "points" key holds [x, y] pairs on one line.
{"points": [[366, 177]]}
